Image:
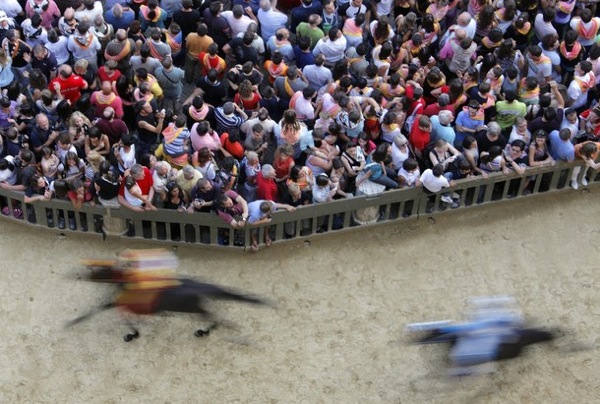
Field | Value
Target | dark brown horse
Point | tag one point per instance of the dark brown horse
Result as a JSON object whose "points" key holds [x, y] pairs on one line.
{"points": [[155, 294]]}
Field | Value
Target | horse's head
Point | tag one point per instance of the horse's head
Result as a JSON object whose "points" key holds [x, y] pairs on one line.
{"points": [[104, 271]]}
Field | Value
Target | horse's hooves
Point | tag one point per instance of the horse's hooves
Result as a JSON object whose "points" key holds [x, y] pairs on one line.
{"points": [[201, 333]]}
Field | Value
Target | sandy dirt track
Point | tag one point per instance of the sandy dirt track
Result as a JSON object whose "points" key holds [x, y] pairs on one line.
{"points": [[337, 334]]}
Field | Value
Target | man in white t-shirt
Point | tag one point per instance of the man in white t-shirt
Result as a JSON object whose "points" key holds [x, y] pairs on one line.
{"points": [[301, 102], [238, 22], [270, 20], [582, 82], [332, 46], [12, 8], [433, 181]]}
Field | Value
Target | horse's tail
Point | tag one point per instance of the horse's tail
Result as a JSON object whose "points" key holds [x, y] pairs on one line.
{"points": [[223, 294], [219, 293], [87, 316]]}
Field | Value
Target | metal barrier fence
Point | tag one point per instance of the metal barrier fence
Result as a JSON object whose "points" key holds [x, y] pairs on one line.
{"points": [[208, 230]]}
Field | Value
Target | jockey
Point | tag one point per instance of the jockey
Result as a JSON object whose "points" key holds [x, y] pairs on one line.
{"points": [[148, 269]]}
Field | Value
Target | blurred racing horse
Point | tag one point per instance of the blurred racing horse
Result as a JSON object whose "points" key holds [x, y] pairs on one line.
{"points": [[496, 332], [144, 292]]}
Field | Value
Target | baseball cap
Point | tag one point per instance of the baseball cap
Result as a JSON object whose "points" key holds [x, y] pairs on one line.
{"points": [[474, 104]]}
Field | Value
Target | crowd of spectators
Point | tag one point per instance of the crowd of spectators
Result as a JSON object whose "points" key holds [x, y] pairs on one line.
{"points": [[288, 104]]}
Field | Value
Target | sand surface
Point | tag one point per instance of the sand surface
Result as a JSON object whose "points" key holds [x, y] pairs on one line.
{"points": [[337, 334]]}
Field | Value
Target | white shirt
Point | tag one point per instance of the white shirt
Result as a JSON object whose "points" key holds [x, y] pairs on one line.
{"points": [[409, 177], [270, 22], [384, 7], [132, 199], [321, 194], [160, 183], [236, 25], [89, 53], [59, 50], [352, 11], [542, 28], [398, 156], [8, 176], [257, 43], [573, 127], [576, 94], [432, 183], [34, 36], [576, 21], [332, 50], [12, 8], [89, 14], [128, 158], [267, 124], [304, 109]]}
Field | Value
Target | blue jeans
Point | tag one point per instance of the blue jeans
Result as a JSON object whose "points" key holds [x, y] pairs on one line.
{"points": [[386, 181]]}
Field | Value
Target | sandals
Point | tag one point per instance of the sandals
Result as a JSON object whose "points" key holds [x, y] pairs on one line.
{"points": [[268, 242], [254, 247]]}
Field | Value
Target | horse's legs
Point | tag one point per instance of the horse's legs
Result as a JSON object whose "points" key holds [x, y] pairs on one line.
{"points": [[135, 334], [213, 323]]}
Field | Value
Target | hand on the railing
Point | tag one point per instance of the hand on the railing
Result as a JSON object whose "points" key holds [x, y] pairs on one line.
{"points": [[149, 206]]}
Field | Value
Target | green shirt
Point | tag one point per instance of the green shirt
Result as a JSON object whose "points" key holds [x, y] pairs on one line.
{"points": [[507, 112], [314, 34]]}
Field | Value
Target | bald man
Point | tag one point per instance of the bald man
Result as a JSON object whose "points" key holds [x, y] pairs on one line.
{"points": [[464, 21], [67, 85], [120, 50], [105, 98]]}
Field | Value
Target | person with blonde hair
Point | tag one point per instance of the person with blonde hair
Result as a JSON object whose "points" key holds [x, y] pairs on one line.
{"points": [[6, 74]]}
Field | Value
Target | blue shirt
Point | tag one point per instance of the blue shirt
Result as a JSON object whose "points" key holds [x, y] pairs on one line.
{"points": [[254, 212], [464, 119], [559, 149], [119, 23], [303, 58], [440, 131], [374, 168]]}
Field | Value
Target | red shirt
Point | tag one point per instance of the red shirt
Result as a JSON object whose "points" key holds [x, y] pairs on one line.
{"points": [[266, 188], [248, 105], [104, 77], [236, 149], [434, 109], [145, 184], [70, 88], [419, 139]]}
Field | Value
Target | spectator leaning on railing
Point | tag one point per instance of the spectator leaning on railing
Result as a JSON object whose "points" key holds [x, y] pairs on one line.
{"points": [[349, 85]]}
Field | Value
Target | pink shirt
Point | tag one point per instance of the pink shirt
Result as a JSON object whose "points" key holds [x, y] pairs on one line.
{"points": [[48, 16], [210, 140]]}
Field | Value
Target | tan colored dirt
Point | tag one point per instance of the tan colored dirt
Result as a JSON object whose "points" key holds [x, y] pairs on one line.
{"points": [[337, 335]]}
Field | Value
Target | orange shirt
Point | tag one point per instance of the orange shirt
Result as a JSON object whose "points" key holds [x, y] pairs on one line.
{"points": [[580, 145]]}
